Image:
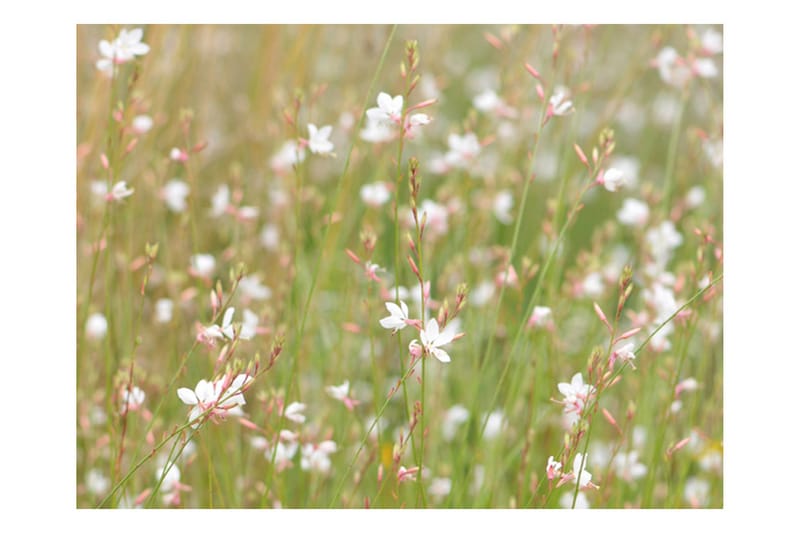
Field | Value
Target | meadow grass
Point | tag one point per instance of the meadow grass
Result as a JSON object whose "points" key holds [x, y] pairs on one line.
{"points": [[553, 192]]}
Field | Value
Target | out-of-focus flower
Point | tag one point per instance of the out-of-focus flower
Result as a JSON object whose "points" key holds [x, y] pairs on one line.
{"points": [[628, 467], [252, 287], [174, 193], [592, 285], [124, 48], [132, 399], [553, 468], [315, 457], [711, 41], [432, 340], [377, 131], [463, 149], [503, 202], [294, 412], [453, 418], [489, 102], [695, 197], [120, 191], [705, 68], [220, 201], [319, 139], [672, 68], [581, 501], [612, 179], [398, 316], [164, 310], [713, 151], [249, 325], [96, 326], [375, 194], [270, 237], [342, 393], [661, 240], [625, 353], [283, 454], [582, 476], [389, 109], [560, 104], [178, 155], [96, 482], [481, 295], [437, 215], [633, 212], [440, 487], [495, 424], [141, 124], [202, 265], [540, 316], [696, 491], [407, 474], [289, 155]]}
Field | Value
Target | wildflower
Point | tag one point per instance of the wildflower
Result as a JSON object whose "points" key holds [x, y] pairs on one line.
{"points": [[407, 474], [132, 399], [315, 457], [705, 68], [220, 201], [389, 109], [252, 287], [502, 206], [178, 155], [581, 501], [209, 334], [318, 139], [214, 398], [289, 155], [695, 492], [540, 317], [174, 193], [96, 482], [559, 103], [453, 418], [695, 197], [164, 310], [141, 124], [120, 191], [672, 68], [202, 265], [612, 179], [249, 325], [688, 384], [440, 487], [433, 339], [592, 285], [576, 394], [375, 194], [713, 150], [553, 468], [96, 326], [463, 149], [436, 219], [376, 132], [661, 240], [481, 295], [341, 393], [495, 423], [711, 42], [581, 475], [398, 318], [270, 237], [633, 213], [124, 48], [626, 354], [283, 454], [294, 412], [628, 467]]}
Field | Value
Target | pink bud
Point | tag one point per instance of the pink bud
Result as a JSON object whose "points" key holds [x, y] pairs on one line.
{"points": [[581, 155], [533, 72], [104, 161]]}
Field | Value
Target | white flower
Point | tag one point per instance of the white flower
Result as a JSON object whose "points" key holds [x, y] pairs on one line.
{"points": [[141, 124], [132, 399], [629, 166], [96, 326], [125, 47], [713, 151], [249, 325], [540, 316], [220, 201], [463, 149], [164, 310], [96, 482], [661, 240], [289, 155], [705, 68], [375, 194], [397, 317], [633, 212], [176, 154], [214, 396], [294, 412], [503, 202], [318, 139], [625, 353], [339, 392], [711, 41], [120, 190], [453, 418], [270, 237], [553, 468], [283, 454], [495, 423], [418, 119], [695, 492], [582, 476], [218, 332], [440, 487], [433, 339], [481, 295], [672, 68], [171, 478], [581, 501], [174, 193], [592, 285], [436, 222], [559, 103], [202, 264], [696, 196], [253, 288], [376, 131], [316, 457], [613, 179], [389, 109], [487, 101], [628, 466], [576, 394]]}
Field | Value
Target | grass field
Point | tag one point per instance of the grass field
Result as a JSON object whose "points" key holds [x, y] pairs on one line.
{"points": [[412, 266]]}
